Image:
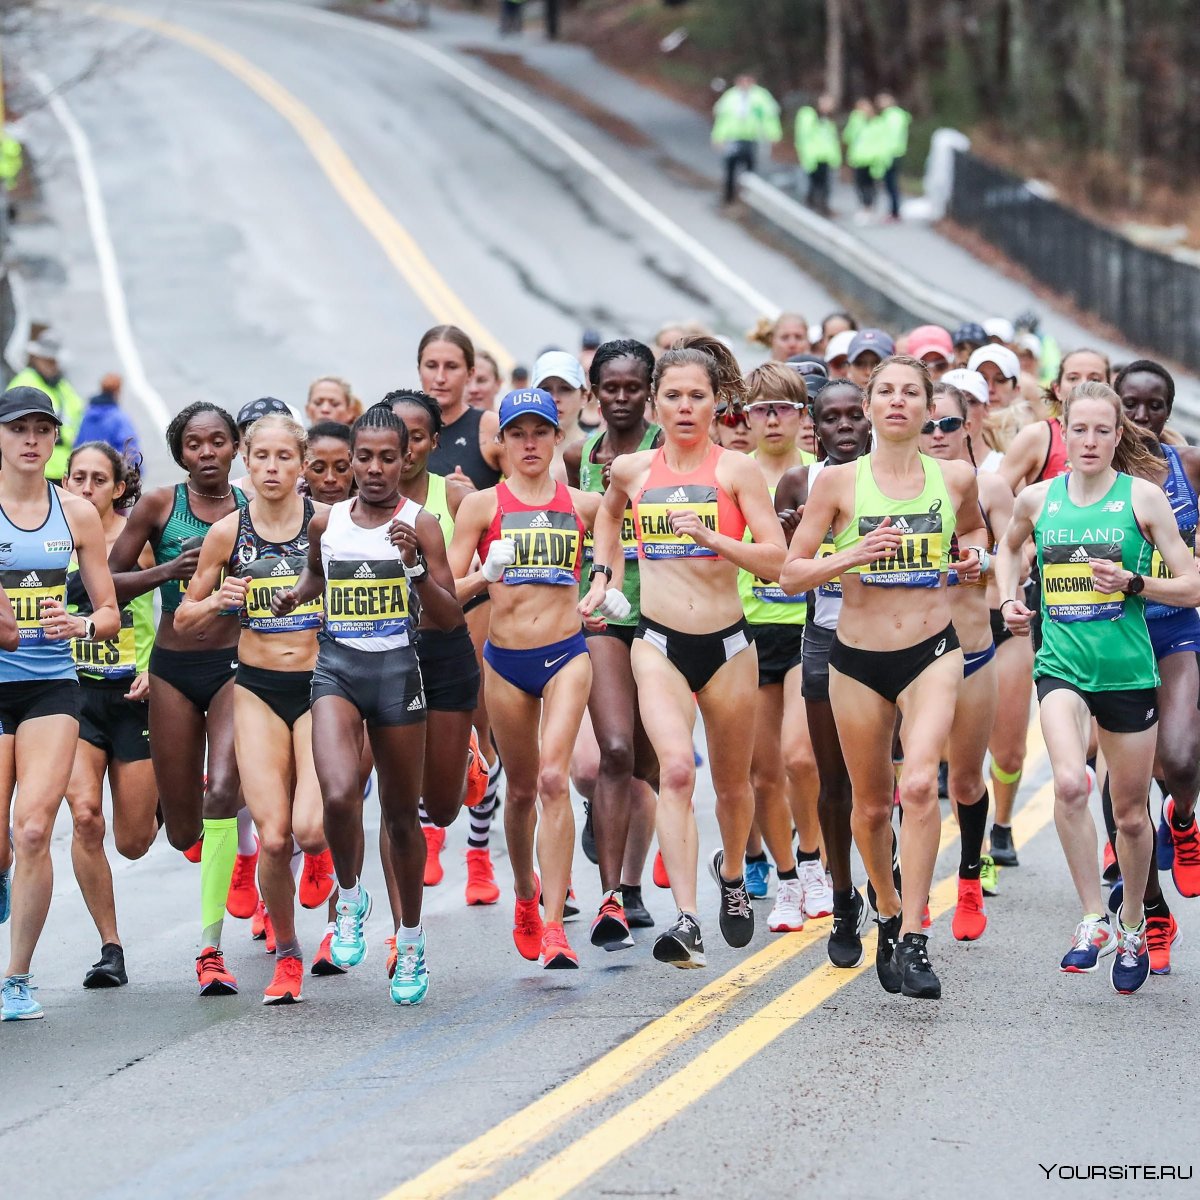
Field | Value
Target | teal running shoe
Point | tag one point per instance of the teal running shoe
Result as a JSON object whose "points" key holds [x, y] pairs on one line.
{"points": [[411, 980], [17, 1002], [349, 945], [758, 872]]}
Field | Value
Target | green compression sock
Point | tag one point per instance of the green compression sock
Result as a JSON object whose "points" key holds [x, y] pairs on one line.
{"points": [[216, 871]]}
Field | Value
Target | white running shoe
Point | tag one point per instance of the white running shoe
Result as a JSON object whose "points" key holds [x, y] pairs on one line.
{"points": [[818, 894], [788, 914]]}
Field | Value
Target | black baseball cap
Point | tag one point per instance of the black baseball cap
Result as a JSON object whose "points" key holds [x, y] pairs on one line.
{"points": [[249, 413], [971, 334], [26, 402]]}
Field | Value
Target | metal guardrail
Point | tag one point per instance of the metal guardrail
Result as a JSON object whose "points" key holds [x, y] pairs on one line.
{"points": [[1153, 299]]}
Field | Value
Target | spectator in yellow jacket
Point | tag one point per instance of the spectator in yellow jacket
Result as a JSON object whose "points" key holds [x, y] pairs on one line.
{"points": [[818, 150], [744, 116], [45, 374], [893, 145]]}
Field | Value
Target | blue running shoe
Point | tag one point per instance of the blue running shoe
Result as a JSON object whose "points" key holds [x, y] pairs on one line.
{"points": [[1094, 938], [1116, 896], [757, 875], [411, 979], [17, 1002], [349, 945], [1164, 846], [1131, 966]]}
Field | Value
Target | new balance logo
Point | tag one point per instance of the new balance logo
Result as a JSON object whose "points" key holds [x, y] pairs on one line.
{"points": [[1115, 506], [282, 568], [678, 496], [1080, 555], [416, 704], [541, 521], [364, 572], [31, 580]]}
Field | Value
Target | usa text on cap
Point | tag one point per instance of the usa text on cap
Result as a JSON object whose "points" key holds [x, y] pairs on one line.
{"points": [[528, 402]]}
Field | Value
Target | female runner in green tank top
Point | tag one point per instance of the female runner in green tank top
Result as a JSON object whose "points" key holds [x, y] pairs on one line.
{"points": [[114, 736], [1095, 530], [622, 820], [893, 513]]}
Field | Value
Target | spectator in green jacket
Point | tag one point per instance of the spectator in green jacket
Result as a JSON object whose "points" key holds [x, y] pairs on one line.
{"points": [[744, 116], [819, 151], [861, 136], [894, 122], [45, 374]]}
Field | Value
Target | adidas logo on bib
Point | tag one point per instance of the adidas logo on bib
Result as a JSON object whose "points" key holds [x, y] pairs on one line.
{"points": [[1079, 555], [31, 580], [900, 525], [282, 568], [678, 496], [541, 521], [364, 572]]}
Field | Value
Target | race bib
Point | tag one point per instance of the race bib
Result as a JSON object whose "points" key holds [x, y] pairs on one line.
{"points": [[26, 592], [115, 658], [366, 598], [1158, 568], [1068, 587], [833, 588], [916, 562], [658, 539], [548, 546], [268, 576]]}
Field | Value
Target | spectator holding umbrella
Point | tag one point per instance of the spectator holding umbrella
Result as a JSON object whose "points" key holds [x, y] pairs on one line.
{"points": [[105, 421], [744, 116]]}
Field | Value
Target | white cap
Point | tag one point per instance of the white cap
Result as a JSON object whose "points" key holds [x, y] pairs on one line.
{"points": [[1002, 356], [558, 364], [1000, 327], [838, 346], [815, 333], [970, 382], [1029, 342]]}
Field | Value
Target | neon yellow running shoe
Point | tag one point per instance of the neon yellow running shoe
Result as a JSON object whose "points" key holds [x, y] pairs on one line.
{"points": [[989, 875]]}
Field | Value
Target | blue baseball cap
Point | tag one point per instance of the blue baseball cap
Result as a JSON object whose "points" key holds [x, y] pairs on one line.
{"points": [[526, 401], [873, 340]]}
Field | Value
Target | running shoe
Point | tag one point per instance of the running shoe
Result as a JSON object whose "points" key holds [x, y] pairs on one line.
{"points": [[680, 944], [736, 915], [410, 978], [886, 965], [636, 912], [917, 978], [194, 852], [970, 918], [481, 878], [212, 975], [243, 890], [1185, 870], [349, 945], [610, 929], [1116, 896], [845, 948], [109, 972], [477, 774], [587, 839], [527, 924], [258, 923], [818, 894], [1111, 871], [661, 879], [556, 952], [268, 933], [758, 876], [286, 983], [1161, 934], [989, 877], [1004, 850], [322, 963], [392, 955], [1164, 845], [435, 839], [926, 919], [316, 879], [1131, 965], [787, 916], [5, 893], [1094, 938], [16, 1000]]}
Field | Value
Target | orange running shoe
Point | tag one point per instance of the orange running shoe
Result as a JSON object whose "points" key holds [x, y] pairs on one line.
{"points": [[1186, 869], [477, 773], [194, 853], [926, 919], [268, 933], [322, 963], [258, 923], [527, 924], [1161, 934], [1110, 870], [393, 957], [285, 984], [970, 919], [481, 879], [557, 954], [435, 839], [243, 891], [661, 878], [214, 979], [316, 880], [610, 929]]}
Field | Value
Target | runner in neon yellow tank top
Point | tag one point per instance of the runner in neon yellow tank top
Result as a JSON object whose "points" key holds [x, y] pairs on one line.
{"points": [[1095, 529], [893, 513]]}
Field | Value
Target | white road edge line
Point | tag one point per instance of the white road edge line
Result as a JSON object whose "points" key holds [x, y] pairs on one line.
{"points": [[758, 303], [106, 256]]}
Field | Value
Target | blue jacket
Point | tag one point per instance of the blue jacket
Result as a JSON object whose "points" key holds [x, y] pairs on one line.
{"points": [[105, 421]]}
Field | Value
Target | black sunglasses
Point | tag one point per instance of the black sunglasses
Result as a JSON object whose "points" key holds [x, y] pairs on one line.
{"points": [[945, 424]]}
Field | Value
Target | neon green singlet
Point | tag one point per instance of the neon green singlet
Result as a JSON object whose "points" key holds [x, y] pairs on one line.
{"points": [[437, 504], [766, 603]]}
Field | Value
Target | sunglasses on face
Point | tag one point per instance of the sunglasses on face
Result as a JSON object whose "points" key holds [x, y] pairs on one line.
{"points": [[945, 424], [772, 408], [731, 415]]}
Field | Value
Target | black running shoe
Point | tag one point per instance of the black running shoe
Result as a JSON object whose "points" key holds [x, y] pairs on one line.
{"points": [[636, 912], [1004, 853], [109, 972], [886, 966], [872, 898], [912, 966], [587, 839], [845, 940], [737, 917], [681, 944]]}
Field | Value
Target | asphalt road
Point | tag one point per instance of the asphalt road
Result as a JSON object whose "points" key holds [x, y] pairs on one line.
{"points": [[247, 271]]}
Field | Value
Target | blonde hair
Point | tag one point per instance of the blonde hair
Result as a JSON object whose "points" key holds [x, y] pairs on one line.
{"points": [[281, 422], [776, 381], [1001, 425], [763, 333], [337, 381]]}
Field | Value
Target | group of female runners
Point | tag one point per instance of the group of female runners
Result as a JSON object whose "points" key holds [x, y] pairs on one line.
{"points": [[851, 585]]}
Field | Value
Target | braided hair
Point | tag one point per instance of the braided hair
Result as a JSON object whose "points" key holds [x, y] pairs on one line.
{"points": [[380, 416], [417, 399], [608, 352], [180, 421]]}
